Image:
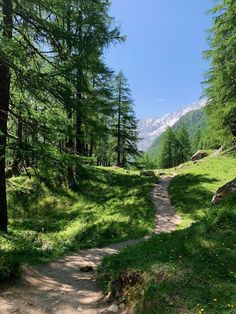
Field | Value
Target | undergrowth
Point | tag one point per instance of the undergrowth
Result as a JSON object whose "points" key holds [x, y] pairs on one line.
{"points": [[47, 220]]}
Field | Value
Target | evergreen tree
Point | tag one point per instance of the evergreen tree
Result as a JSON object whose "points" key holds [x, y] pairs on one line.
{"points": [[126, 124], [220, 83], [5, 82], [184, 150], [169, 151], [52, 70]]}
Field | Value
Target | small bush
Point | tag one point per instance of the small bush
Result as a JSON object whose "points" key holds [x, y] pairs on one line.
{"points": [[9, 268]]}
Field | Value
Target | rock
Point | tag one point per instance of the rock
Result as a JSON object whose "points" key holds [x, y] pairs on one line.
{"points": [[217, 152], [86, 268], [147, 173], [114, 308], [199, 155], [8, 173], [12, 308], [122, 306], [223, 191], [8, 293], [28, 303]]}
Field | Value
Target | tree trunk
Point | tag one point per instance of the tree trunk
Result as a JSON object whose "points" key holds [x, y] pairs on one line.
{"points": [[17, 154], [79, 136], [119, 130], [4, 110], [91, 148], [79, 132]]}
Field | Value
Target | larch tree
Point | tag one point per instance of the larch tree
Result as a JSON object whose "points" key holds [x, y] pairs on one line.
{"points": [[220, 80], [5, 82], [125, 122]]}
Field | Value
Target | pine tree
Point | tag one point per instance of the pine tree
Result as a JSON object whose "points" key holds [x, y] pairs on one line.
{"points": [[126, 124], [5, 82], [220, 83], [54, 52], [184, 150], [169, 151]]}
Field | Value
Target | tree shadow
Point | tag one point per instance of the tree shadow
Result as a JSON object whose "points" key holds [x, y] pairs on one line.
{"points": [[188, 194]]}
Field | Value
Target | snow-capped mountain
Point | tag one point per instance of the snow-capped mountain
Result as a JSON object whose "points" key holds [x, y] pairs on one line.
{"points": [[151, 128]]}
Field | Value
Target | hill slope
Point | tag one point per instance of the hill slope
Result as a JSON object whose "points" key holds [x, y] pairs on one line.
{"points": [[151, 128], [190, 270], [47, 220], [194, 121]]}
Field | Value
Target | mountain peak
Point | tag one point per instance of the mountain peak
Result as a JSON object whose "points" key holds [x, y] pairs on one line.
{"points": [[151, 128]]}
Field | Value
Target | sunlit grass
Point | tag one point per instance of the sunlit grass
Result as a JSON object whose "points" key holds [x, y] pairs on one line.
{"points": [[48, 220], [192, 270]]}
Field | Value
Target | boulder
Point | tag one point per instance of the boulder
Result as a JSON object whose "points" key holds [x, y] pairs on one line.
{"points": [[114, 308], [199, 155], [147, 173], [86, 268], [223, 191], [8, 173]]}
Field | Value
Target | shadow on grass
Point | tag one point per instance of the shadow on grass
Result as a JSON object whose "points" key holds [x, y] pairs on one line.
{"points": [[109, 206], [183, 274], [187, 270], [188, 195]]}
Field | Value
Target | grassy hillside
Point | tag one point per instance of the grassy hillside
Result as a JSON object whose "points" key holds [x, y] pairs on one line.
{"points": [[194, 121], [47, 221], [192, 270]]}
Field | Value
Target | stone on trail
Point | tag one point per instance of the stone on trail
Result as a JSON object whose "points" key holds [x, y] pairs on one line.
{"points": [[147, 173], [122, 306], [114, 308], [86, 268]]}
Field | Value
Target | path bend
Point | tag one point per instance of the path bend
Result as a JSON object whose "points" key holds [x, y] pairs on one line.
{"points": [[61, 288]]}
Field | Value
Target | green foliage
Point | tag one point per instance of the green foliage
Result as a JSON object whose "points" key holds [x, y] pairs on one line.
{"points": [[169, 148], [63, 95], [175, 148], [47, 220], [145, 162], [9, 267], [125, 129], [195, 123], [191, 270], [220, 85], [184, 150]]}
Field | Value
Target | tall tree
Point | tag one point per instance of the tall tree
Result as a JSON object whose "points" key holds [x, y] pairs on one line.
{"points": [[169, 151], [184, 149], [126, 124], [220, 83], [5, 81]]}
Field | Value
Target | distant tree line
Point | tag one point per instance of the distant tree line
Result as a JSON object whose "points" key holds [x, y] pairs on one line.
{"points": [[174, 149]]}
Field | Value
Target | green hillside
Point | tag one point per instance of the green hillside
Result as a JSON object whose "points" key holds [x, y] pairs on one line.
{"points": [[194, 121], [47, 220], [191, 270]]}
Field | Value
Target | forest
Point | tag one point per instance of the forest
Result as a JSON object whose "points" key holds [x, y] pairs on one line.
{"points": [[75, 186]]}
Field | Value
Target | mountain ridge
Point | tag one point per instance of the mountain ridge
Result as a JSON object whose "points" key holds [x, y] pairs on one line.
{"points": [[150, 128]]}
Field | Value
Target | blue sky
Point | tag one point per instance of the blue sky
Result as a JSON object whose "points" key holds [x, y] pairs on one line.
{"points": [[162, 56]]}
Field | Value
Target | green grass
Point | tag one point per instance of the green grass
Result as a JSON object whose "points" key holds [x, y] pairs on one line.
{"points": [[192, 190], [192, 269], [47, 221]]}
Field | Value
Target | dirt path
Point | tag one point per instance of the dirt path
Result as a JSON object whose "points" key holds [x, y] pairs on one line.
{"points": [[61, 287]]}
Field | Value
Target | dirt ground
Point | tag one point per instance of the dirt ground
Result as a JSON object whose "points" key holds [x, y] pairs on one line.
{"points": [[62, 288]]}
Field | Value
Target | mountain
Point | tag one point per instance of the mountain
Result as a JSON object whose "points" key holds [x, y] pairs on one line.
{"points": [[151, 128], [194, 121]]}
